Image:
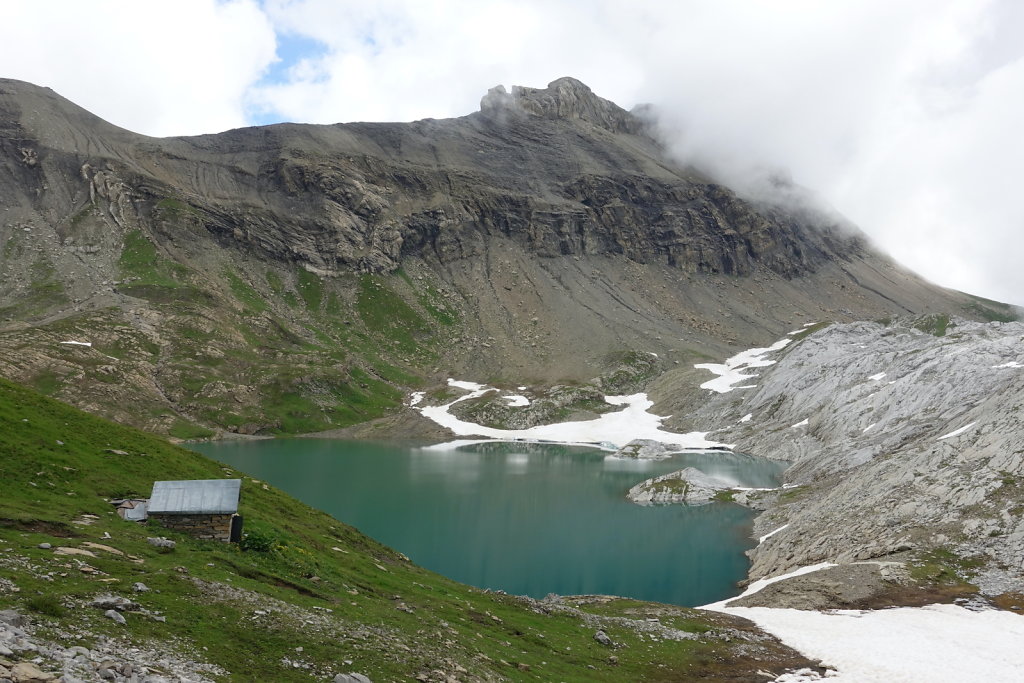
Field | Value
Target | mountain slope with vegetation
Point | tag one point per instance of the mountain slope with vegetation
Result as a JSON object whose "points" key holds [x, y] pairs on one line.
{"points": [[296, 278], [303, 598]]}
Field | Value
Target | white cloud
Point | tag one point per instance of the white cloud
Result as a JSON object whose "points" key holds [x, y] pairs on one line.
{"points": [[901, 114], [160, 68]]}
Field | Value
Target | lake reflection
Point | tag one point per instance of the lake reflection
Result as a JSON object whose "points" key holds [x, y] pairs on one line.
{"points": [[527, 518]]}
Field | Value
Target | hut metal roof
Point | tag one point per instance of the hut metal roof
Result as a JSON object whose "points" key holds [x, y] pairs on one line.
{"points": [[198, 496]]}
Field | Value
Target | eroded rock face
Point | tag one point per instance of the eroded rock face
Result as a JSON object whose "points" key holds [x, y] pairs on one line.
{"points": [[564, 173]]}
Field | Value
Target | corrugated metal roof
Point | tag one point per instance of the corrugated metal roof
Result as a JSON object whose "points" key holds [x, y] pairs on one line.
{"points": [[208, 496], [137, 513]]}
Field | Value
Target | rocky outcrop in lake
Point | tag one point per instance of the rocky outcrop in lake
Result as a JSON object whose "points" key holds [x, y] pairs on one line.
{"points": [[689, 486]]}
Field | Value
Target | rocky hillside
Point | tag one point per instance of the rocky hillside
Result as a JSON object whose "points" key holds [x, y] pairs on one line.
{"points": [[906, 445], [293, 278]]}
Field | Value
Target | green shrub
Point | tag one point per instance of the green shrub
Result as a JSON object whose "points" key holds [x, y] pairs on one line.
{"points": [[45, 604], [258, 541]]}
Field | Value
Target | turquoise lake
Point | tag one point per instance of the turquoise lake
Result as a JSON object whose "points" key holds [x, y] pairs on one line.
{"points": [[529, 519]]}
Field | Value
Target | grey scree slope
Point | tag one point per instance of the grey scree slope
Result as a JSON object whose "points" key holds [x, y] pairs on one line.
{"points": [[208, 496]]}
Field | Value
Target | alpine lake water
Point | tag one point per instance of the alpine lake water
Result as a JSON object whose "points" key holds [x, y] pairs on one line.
{"points": [[529, 519]]}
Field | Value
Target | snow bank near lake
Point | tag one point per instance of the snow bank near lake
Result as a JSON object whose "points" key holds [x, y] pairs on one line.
{"points": [[617, 428], [936, 643]]}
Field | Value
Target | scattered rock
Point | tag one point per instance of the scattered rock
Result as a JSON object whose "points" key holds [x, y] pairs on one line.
{"points": [[603, 638], [161, 542], [9, 616], [115, 615], [64, 550], [27, 672], [115, 602], [140, 587], [44, 546], [100, 546], [351, 678]]}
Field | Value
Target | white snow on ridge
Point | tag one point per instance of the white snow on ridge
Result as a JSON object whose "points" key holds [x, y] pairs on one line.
{"points": [[1011, 364], [730, 372], [877, 377], [468, 386], [770, 534], [755, 586], [746, 418], [870, 426], [801, 329], [801, 423], [955, 432], [77, 343], [618, 428]]}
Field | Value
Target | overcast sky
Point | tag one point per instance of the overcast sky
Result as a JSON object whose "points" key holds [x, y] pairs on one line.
{"points": [[905, 115]]}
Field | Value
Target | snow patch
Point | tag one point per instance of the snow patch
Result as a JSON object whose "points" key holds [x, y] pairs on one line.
{"points": [[77, 343], [730, 372], [770, 534], [801, 329], [516, 401], [801, 423], [870, 426], [468, 386], [612, 430], [416, 397], [746, 418], [877, 377], [1011, 364], [956, 431], [756, 586], [936, 643]]}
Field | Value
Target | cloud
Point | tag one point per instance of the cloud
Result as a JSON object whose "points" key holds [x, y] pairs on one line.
{"points": [[903, 115], [160, 68]]}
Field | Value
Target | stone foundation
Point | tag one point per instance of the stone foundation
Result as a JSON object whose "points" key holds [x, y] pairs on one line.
{"points": [[210, 527]]}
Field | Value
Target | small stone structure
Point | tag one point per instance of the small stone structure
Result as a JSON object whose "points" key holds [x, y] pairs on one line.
{"points": [[203, 508]]}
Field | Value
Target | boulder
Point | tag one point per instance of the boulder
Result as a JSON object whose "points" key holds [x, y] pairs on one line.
{"points": [[646, 449], [351, 678]]}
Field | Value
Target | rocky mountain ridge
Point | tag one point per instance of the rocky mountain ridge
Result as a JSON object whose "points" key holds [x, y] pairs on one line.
{"points": [[292, 278]]}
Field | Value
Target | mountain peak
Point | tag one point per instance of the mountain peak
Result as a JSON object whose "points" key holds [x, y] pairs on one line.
{"points": [[565, 98]]}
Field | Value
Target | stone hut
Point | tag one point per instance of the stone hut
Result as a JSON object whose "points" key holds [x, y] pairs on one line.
{"points": [[203, 508]]}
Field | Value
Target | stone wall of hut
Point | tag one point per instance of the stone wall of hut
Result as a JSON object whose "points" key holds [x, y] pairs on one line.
{"points": [[212, 527]]}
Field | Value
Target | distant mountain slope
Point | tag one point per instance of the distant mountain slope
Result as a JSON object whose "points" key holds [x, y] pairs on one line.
{"points": [[292, 278]]}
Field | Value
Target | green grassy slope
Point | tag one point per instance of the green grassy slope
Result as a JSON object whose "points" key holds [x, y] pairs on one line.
{"points": [[307, 580]]}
